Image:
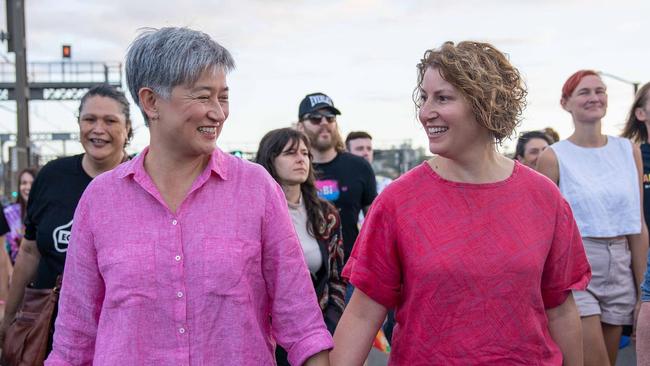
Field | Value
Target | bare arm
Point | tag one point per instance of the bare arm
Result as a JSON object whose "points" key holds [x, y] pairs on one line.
{"points": [[356, 330], [566, 330], [24, 271], [5, 273], [643, 336], [547, 164], [319, 359], [639, 242]]}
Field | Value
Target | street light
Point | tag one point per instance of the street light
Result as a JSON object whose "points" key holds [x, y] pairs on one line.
{"points": [[633, 83]]}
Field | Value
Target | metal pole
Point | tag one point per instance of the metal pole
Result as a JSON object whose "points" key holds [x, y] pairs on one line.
{"points": [[634, 84], [22, 89]]}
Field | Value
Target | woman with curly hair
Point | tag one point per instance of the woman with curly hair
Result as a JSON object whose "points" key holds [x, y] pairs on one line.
{"points": [[476, 253], [600, 177], [636, 129], [284, 153]]}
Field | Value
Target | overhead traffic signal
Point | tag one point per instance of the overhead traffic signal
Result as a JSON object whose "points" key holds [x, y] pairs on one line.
{"points": [[67, 51]]}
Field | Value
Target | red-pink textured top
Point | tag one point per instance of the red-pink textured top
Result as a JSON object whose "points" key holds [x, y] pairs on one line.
{"points": [[470, 268]]}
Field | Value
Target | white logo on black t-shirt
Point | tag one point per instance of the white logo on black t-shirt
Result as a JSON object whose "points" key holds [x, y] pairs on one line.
{"points": [[61, 237]]}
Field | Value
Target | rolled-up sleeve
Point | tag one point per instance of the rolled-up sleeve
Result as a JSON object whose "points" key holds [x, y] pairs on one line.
{"points": [[81, 298], [296, 318]]}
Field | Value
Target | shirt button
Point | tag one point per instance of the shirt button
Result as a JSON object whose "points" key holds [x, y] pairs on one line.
{"points": [[174, 222], [179, 294], [177, 258], [181, 330]]}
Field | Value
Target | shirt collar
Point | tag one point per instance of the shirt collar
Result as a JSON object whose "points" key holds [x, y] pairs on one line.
{"points": [[217, 164]]}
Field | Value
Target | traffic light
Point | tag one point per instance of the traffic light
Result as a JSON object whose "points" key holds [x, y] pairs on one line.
{"points": [[67, 51]]}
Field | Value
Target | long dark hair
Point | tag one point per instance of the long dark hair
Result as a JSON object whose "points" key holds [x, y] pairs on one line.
{"points": [[634, 129], [19, 200], [525, 137], [271, 146]]}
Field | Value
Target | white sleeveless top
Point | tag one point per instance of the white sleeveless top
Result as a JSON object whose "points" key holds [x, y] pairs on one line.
{"points": [[601, 185], [310, 248]]}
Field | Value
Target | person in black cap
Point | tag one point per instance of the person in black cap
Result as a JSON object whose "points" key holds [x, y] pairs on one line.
{"points": [[346, 180]]}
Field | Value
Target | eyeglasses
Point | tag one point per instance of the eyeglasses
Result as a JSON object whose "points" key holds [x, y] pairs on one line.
{"points": [[317, 118]]}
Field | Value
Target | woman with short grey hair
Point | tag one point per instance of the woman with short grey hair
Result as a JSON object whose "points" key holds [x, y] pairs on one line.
{"points": [[185, 255]]}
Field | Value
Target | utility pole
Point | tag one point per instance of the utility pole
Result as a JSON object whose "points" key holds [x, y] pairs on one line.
{"points": [[635, 84], [17, 34], [47, 83]]}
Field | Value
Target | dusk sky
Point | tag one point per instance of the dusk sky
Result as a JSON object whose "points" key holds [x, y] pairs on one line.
{"points": [[362, 53]]}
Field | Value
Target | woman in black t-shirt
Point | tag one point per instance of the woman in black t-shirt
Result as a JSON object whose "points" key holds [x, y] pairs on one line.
{"points": [[636, 129], [104, 131]]}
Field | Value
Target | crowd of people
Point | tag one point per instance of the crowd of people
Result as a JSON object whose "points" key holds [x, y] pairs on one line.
{"points": [[186, 255]]}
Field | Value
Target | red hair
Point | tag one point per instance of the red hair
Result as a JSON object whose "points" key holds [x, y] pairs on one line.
{"points": [[572, 82]]}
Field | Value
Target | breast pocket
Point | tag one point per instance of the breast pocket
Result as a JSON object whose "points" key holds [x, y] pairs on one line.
{"points": [[231, 267], [129, 272]]}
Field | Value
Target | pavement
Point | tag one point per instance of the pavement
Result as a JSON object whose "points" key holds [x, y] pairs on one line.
{"points": [[626, 357], [377, 358]]}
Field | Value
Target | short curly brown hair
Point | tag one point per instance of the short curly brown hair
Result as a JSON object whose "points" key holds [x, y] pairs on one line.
{"points": [[490, 84]]}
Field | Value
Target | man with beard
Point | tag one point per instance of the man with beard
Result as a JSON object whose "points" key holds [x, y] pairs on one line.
{"points": [[346, 180]]}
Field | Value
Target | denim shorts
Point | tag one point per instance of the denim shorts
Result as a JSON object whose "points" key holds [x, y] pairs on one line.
{"points": [[611, 294]]}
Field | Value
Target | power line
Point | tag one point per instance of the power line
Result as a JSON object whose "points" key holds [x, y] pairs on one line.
{"points": [[7, 108], [35, 113], [5, 58], [65, 106]]}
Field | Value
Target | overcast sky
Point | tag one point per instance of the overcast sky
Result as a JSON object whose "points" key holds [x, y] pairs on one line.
{"points": [[362, 53]]}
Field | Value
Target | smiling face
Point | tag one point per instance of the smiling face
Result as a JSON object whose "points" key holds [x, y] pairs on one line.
{"points": [[447, 118], [191, 119], [25, 185], [292, 165], [103, 128], [588, 102]]}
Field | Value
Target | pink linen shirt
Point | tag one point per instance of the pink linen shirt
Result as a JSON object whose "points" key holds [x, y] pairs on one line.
{"points": [[146, 286]]}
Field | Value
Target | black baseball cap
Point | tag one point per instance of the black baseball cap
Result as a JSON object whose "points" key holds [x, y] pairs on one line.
{"points": [[315, 101]]}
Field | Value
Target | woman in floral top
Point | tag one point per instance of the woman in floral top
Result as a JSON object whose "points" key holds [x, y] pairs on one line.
{"points": [[285, 155]]}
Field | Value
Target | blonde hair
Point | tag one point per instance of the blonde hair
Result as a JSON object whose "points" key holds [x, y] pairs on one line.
{"points": [[491, 85]]}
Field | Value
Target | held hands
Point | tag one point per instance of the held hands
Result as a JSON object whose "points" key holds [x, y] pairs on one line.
{"points": [[4, 325], [637, 308]]}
